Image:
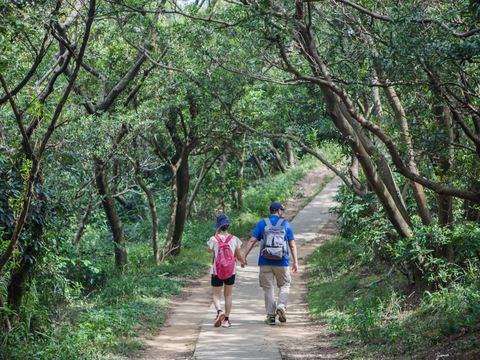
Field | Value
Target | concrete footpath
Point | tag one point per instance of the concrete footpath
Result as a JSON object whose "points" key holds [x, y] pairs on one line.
{"points": [[249, 337]]}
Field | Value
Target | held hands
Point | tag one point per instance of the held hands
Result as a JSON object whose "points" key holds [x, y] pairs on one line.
{"points": [[243, 263]]}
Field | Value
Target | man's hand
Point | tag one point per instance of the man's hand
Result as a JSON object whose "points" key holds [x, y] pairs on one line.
{"points": [[293, 249]]}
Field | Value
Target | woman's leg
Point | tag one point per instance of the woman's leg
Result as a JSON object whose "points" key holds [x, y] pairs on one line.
{"points": [[227, 292], [217, 293]]}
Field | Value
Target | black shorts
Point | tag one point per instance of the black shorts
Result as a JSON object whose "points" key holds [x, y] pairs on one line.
{"points": [[217, 282]]}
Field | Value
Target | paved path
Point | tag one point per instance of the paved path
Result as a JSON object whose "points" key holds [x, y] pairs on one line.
{"points": [[249, 338]]}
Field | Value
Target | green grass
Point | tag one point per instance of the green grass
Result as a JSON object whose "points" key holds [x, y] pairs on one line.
{"points": [[380, 320]]}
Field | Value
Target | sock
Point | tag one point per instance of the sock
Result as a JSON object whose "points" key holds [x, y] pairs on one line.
{"points": [[219, 311], [226, 318]]}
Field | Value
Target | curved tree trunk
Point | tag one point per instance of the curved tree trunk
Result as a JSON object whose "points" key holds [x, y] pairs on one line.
{"points": [[278, 158], [401, 118], [258, 163], [114, 221], [394, 213], [355, 176]]}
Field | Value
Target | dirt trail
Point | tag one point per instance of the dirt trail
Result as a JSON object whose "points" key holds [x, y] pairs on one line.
{"points": [[300, 338]]}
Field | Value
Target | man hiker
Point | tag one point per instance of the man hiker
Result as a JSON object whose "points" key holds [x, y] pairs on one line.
{"points": [[276, 244]]}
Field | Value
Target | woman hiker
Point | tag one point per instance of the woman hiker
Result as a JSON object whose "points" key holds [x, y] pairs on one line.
{"points": [[226, 249]]}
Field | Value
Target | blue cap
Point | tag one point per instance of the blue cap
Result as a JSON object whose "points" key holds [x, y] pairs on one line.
{"points": [[222, 220], [274, 206]]}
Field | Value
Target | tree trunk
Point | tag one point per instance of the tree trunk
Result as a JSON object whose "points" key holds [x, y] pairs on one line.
{"points": [[31, 248], [203, 173], [278, 158], [472, 210], [21, 218], [240, 180], [355, 176], [153, 215], [5, 320], [178, 217], [339, 113], [258, 163], [379, 161], [401, 118], [168, 245], [27, 259], [222, 169], [112, 216], [377, 102], [391, 207], [445, 202], [18, 277], [445, 161], [290, 154], [82, 222]]}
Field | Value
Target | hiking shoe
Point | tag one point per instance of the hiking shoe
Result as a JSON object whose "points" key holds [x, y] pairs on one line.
{"points": [[282, 317], [226, 323], [270, 320], [218, 320]]}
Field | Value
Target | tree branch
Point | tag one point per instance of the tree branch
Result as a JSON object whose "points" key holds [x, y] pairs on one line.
{"points": [[18, 117], [38, 59], [66, 94]]}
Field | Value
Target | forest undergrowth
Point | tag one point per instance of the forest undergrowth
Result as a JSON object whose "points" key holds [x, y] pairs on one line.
{"points": [[359, 286]]}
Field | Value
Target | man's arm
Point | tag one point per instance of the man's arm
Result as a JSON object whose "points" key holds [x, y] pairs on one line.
{"points": [[293, 251], [250, 244]]}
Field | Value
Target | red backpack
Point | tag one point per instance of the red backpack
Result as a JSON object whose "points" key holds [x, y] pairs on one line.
{"points": [[224, 261]]}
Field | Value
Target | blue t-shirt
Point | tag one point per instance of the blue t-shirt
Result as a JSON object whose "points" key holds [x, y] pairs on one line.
{"points": [[257, 233]]}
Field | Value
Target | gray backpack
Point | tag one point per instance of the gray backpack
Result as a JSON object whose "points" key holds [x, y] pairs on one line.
{"points": [[274, 246]]}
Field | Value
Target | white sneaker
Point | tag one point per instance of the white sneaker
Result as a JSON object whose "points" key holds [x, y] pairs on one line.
{"points": [[282, 317]]}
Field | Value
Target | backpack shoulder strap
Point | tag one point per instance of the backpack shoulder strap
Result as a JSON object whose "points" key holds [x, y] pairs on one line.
{"points": [[219, 239], [229, 237], [280, 221], [268, 222]]}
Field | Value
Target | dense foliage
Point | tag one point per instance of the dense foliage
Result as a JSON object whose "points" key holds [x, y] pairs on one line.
{"points": [[132, 122]]}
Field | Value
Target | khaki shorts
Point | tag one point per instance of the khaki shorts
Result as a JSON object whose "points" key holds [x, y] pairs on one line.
{"points": [[268, 273]]}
